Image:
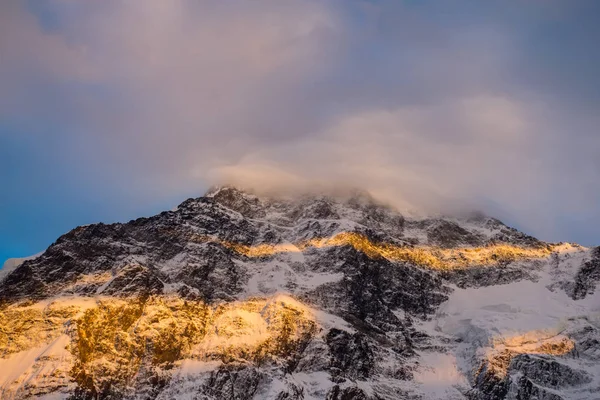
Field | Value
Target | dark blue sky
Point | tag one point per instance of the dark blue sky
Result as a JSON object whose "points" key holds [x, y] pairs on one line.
{"points": [[113, 110]]}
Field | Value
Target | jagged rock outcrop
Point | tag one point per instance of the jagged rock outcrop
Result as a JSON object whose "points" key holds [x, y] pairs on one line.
{"points": [[587, 276], [526, 377]]}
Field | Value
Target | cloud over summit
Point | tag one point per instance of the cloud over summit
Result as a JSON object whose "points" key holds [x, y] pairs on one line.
{"points": [[418, 102]]}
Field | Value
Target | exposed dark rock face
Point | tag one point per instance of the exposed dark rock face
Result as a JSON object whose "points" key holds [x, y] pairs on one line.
{"points": [[450, 234], [587, 339], [235, 383], [135, 279], [350, 393], [506, 234], [525, 377], [351, 355], [235, 200], [587, 276], [547, 372], [527, 390], [585, 279], [487, 276], [372, 288], [151, 242], [375, 285], [491, 382]]}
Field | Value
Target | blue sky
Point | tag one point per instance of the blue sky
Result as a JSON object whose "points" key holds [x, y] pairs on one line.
{"points": [[113, 110]]}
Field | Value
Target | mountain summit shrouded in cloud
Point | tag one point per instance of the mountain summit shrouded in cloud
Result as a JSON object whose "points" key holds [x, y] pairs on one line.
{"points": [[106, 105], [241, 296]]}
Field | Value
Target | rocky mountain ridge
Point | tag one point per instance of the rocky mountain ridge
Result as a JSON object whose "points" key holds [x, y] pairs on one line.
{"points": [[238, 296]]}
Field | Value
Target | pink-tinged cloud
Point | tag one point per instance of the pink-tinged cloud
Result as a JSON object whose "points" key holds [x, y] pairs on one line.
{"points": [[428, 109]]}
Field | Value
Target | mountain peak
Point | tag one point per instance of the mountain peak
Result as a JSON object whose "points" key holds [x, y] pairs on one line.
{"points": [[307, 295]]}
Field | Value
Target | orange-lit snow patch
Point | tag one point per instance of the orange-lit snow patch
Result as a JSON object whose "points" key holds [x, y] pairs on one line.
{"points": [[425, 256], [532, 342], [536, 342], [113, 339]]}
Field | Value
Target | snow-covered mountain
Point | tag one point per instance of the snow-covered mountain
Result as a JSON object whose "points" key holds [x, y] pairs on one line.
{"points": [[237, 296]]}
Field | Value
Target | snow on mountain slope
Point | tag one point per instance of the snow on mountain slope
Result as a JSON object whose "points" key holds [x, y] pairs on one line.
{"points": [[238, 296], [46, 367], [521, 318]]}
